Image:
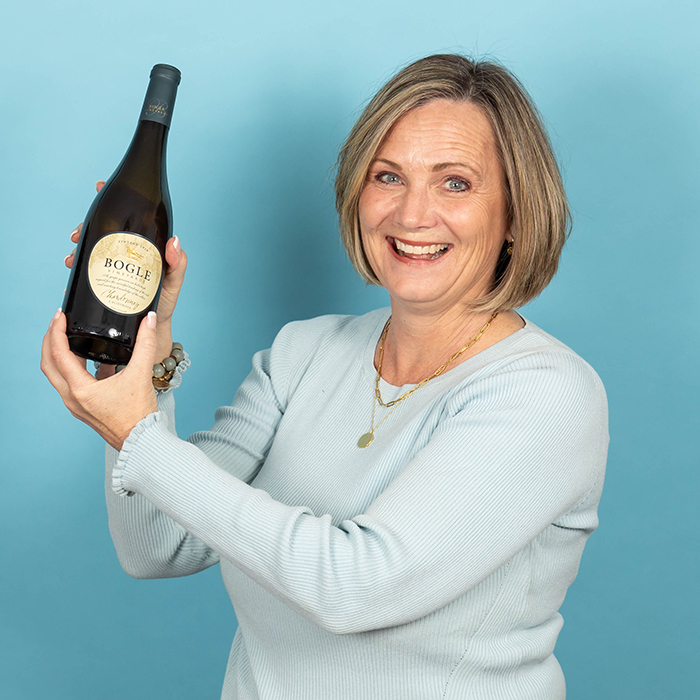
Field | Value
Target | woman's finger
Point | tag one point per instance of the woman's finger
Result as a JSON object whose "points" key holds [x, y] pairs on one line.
{"points": [[144, 355], [48, 366], [99, 185], [70, 259], [176, 259], [172, 254], [71, 368], [177, 263]]}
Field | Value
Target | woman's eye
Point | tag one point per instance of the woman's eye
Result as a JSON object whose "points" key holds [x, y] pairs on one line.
{"points": [[388, 178], [456, 184]]}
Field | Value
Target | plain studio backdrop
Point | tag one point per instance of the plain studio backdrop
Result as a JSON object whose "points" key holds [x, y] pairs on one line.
{"points": [[269, 91]]}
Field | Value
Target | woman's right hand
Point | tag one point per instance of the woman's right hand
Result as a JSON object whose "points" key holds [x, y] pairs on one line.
{"points": [[176, 260]]}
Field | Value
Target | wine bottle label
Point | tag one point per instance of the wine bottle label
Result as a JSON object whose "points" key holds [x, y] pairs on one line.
{"points": [[124, 272]]}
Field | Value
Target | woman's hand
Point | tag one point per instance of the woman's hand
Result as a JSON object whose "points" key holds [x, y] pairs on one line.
{"points": [[173, 278], [115, 405]]}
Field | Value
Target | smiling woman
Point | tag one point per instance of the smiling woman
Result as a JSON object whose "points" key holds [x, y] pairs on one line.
{"points": [[419, 541], [490, 120], [444, 189]]}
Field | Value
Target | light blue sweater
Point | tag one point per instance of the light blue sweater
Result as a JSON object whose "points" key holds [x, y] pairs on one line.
{"points": [[429, 565]]}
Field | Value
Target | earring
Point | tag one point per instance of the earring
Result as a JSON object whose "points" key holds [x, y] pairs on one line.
{"points": [[509, 249]]}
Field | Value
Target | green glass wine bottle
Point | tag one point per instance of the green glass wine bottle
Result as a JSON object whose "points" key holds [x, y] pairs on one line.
{"points": [[120, 259]]}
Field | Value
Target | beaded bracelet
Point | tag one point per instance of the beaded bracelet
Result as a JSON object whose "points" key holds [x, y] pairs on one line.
{"points": [[162, 372]]}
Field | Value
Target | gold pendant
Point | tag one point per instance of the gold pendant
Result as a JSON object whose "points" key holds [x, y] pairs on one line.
{"points": [[365, 440]]}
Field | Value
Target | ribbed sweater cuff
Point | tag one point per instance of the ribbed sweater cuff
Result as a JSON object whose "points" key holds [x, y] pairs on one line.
{"points": [[153, 423], [177, 376]]}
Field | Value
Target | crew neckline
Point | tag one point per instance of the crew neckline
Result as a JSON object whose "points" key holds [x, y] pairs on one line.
{"points": [[370, 371]]}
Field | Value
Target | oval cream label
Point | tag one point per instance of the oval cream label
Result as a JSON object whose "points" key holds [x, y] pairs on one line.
{"points": [[124, 272]]}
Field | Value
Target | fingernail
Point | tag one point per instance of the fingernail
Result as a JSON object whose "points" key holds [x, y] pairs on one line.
{"points": [[65, 260], [57, 314], [176, 243], [74, 231], [151, 322]]}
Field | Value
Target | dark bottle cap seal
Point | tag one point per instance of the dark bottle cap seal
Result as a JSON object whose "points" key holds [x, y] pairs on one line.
{"points": [[163, 70], [160, 96]]}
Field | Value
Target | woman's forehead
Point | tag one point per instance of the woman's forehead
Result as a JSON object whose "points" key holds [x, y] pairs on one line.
{"points": [[439, 133]]}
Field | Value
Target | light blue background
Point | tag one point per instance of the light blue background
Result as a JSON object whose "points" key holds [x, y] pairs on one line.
{"points": [[269, 91]]}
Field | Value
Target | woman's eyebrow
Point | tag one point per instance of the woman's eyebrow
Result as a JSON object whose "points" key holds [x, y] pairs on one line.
{"points": [[475, 172], [441, 166], [438, 167], [390, 163]]}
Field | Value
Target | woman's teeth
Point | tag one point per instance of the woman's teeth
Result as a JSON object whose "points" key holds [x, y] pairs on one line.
{"points": [[434, 251]]}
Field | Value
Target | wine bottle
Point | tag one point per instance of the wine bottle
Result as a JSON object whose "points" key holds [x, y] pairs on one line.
{"points": [[118, 268]]}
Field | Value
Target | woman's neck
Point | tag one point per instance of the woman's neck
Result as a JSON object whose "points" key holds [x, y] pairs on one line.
{"points": [[417, 344]]}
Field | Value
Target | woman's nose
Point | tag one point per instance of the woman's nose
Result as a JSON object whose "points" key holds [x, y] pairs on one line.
{"points": [[415, 209]]}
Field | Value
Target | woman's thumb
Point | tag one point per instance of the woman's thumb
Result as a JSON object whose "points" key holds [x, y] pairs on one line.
{"points": [[144, 356], [176, 258]]}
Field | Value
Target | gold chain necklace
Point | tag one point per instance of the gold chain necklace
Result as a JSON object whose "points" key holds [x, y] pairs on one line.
{"points": [[367, 438]]}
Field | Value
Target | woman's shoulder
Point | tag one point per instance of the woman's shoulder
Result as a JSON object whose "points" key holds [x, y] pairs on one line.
{"points": [[541, 348], [344, 329], [333, 340], [541, 393], [536, 368]]}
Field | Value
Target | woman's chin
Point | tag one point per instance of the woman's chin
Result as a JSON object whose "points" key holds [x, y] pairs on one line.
{"points": [[427, 292], [419, 295]]}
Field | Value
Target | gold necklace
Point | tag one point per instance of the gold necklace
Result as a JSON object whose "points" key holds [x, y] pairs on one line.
{"points": [[366, 439]]}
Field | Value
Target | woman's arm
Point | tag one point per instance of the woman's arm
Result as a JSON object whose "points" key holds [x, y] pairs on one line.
{"points": [[149, 543], [520, 455]]}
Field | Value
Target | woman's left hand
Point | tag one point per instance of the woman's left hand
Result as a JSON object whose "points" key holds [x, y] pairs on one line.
{"points": [[111, 406]]}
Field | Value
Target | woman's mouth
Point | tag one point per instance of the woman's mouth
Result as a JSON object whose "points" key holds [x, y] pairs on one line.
{"points": [[430, 251]]}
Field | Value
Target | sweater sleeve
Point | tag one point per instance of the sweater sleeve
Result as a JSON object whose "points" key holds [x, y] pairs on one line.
{"points": [[149, 543], [517, 452]]}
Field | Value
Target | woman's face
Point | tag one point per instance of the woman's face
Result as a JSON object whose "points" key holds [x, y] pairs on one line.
{"points": [[433, 209]]}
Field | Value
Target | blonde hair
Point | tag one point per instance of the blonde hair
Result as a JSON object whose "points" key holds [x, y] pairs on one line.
{"points": [[537, 209]]}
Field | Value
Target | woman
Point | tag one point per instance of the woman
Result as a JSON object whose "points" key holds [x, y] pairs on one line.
{"points": [[398, 501]]}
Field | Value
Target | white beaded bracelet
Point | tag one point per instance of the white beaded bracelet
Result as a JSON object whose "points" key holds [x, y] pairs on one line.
{"points": [[163, 371]]}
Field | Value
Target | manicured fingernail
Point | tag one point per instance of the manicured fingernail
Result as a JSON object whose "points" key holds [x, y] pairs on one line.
{"points": [[65, 260], [151, 319], [74, 231], [57, 314], [176, 243]]}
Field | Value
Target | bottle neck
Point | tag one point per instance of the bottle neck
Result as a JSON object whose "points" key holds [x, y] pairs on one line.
{"points": [[149, 142], [160, 100], [143, 165]]}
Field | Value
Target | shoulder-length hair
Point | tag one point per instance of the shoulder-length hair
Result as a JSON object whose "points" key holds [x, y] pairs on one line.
{"points": [[538, 213]]}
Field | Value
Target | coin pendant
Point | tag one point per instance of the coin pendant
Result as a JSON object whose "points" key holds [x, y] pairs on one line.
{"points": [[365, 440]]}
